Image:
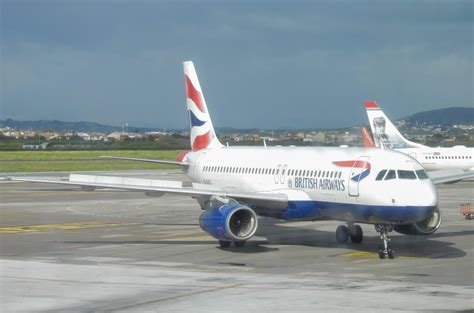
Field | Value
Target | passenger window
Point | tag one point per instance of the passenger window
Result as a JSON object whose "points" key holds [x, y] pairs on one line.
{"points": [[402, 174], [421, 174], [391, 175], [380, 175]]}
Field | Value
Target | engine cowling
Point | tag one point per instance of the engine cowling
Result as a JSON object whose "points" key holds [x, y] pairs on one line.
{"points": [[229, 222], [426, 227]]}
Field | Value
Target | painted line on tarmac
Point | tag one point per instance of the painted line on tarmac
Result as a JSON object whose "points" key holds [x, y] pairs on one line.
{"points": [[53, 227], [370, 255], [66, 192]]}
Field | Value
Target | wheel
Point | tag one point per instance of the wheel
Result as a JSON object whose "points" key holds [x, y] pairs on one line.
{"points": [[224, 244], [342, 234], [390, 253], [239, 244], [381, 252], [355, 233]]}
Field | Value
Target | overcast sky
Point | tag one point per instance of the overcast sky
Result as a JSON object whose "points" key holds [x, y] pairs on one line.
{"points": [[266, 64]]}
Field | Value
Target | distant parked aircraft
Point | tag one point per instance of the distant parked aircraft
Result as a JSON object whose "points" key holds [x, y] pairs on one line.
{"points": [[386, 135]]}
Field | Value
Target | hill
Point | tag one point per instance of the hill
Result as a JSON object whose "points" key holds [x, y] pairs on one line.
{"points": [[61, 126], [447, 116]]}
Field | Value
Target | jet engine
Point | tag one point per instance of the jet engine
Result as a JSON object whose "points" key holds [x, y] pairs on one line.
{"points": [[229, 222], [426, 227]]}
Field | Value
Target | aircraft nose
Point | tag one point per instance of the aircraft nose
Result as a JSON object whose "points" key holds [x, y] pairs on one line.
{"points": [[425, 195], [428, 201]]}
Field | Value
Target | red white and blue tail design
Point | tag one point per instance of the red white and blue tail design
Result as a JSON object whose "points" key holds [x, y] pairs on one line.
{"points": [[202, 132]]}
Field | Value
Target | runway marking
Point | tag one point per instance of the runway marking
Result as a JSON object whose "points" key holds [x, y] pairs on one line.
{"points": [[66, 192], [66, 226], [186, 295], [370, 255], [116, 236]]}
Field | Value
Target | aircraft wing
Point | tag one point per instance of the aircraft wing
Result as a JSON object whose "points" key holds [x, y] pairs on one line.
{"points": [[152, 187], [146, 160], [449, 176]]}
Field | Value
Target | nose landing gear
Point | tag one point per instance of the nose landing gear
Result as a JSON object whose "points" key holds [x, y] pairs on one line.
{"points": [[385, 249]]}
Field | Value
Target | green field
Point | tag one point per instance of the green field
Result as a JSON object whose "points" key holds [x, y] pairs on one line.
{"points": [[46, 161]]}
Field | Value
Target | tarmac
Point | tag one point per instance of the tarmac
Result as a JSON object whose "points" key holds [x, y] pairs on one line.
{"points": [[65, 249]]}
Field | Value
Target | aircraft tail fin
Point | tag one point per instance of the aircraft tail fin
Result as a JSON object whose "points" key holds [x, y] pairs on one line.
{"points": [[366, 137], [386, 135], [202, 132]]}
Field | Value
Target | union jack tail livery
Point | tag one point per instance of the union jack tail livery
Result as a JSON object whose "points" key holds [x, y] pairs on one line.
{"points": [[202, 132]]}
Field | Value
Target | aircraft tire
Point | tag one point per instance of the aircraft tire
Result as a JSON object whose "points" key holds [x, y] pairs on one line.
{"points": [[356, 234], [390, 253], [342, 234], [381, 252]]}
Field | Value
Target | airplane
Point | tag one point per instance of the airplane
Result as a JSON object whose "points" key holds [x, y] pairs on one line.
{"points": [[386, 135], [235, 185]]}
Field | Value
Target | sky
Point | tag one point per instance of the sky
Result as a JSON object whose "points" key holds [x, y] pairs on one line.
{"points": [[261, 64]]}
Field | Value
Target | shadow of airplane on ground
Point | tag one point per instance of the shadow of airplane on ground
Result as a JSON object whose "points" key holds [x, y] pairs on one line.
{"points": [[278, 234]]}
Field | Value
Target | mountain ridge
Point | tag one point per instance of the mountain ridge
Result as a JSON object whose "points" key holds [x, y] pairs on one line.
{"points": [[445, 116]]}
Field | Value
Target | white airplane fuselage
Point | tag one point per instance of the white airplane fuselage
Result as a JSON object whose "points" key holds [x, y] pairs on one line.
{"points": [[441, 158], [321, 182]]}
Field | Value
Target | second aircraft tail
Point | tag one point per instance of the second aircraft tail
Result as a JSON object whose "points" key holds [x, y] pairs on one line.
{"points": [[385, 134]]}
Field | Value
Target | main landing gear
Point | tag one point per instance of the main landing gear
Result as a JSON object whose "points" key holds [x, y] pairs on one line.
{"points": [[226, 244], [354, 232], [385, 249]]}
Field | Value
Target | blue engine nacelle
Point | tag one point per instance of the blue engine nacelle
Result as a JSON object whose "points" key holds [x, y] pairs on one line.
{"points": [[229, 222]]}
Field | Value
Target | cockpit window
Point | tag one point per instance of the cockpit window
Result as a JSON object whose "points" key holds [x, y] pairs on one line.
{"points": [[380, 175], [421, 174], [391, 175], [403, 174]]}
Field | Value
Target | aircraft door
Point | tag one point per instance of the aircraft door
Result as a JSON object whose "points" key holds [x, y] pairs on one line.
{"points": [[413, 155], [277, 174], [283, 174], [356, 174]]}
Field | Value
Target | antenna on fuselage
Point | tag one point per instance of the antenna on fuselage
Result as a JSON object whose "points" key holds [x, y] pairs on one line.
{"points": [[264, 142]]}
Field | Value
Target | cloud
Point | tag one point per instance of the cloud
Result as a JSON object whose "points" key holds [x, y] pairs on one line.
{"points": [[260, 65]]}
